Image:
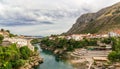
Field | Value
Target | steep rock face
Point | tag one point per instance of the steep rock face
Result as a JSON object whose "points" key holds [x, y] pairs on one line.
{"points": [[103, 21]]}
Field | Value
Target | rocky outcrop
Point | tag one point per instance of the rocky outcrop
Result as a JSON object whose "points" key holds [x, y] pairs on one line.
{"points": [[52, 49], [32, 62], [103, 21]]}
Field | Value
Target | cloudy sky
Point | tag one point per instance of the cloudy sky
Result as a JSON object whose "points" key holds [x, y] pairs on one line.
{"points": [[45, 17]]}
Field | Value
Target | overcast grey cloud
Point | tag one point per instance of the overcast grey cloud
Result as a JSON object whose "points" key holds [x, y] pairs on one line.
{"points": [[45, 17]]}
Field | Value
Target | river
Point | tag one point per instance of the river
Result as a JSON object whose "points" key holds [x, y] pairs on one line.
{"points": [[50, 61]]}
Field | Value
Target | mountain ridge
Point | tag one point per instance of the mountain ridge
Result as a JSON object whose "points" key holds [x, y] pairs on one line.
{"points": [[103, 21]]}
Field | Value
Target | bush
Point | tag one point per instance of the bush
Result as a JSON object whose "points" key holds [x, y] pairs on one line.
{"points": [[25, 52], [114, 56], [6, 65], [35, 49], [18, 63], [35, 41], [1, 38]]}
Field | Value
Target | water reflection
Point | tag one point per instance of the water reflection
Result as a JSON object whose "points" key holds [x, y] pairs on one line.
{"points": [[52, 62]]}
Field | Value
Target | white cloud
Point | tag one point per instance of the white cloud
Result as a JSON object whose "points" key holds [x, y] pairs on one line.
{"points": [[55, 16]]}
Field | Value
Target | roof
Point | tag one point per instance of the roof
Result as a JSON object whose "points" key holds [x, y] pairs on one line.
{"points": [[117, 31]]}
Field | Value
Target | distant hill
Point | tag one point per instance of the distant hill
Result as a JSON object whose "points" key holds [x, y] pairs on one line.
{"points": [[103, 21]]}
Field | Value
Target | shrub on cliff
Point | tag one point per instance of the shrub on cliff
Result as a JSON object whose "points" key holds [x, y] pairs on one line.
{"points": [[25, 52]]}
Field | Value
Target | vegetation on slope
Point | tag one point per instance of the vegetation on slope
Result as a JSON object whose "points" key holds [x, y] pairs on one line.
{"points": [[103, 21], [13, 57]]}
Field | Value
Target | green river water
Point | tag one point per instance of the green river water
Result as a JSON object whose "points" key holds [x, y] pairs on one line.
{"points": [[50, 62]]}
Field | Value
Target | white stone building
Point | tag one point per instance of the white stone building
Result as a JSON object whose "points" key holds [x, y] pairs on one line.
{"points": [[113, 34], [5, 34], [76, 37], [20, 42]]}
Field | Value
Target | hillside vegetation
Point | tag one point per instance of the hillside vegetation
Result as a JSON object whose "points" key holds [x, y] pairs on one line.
{"points": [[103, 21]]}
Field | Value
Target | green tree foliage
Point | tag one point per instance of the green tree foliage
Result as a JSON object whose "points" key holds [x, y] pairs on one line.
{"points": [[18, 63], [12, 57], [35, 41], [1, 38], [114, 56], [11, 35], [8, 31], [25, 52], [116, 44], [107, 40], [70, 45], [35, 49], [6, 65]]}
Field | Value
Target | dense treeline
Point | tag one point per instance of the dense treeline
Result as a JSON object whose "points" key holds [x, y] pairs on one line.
{"points": [[13, 57], [35, 41], [68, 44]]}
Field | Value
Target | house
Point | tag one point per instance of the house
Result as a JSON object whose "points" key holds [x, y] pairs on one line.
{"points": [[115, 33], [68, 37], [52, 38], [6, 43], [77, 37], [4, 33], [20, 42], [62, 37], [108, 47]]}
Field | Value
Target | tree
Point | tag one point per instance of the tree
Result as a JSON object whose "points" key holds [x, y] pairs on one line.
{"points": [[2, 30], [11, 35], [114, 56], [18, 63], [8, 31], [25, 52], [1, 38]]}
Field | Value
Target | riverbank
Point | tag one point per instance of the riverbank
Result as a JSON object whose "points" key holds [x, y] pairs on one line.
{"points": [[78, 63], [32, 62]]}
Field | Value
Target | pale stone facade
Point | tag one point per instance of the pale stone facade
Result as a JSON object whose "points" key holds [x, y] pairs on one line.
{"points": [[20, 42]]}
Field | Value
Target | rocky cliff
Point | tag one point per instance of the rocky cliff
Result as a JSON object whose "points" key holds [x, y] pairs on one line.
{"points": [[103, 21]]}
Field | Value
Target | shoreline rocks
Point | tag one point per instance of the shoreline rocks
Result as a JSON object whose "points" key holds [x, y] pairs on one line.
{"points": [[55, 51], [32, 62]]}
